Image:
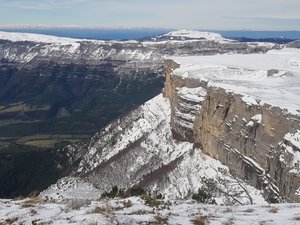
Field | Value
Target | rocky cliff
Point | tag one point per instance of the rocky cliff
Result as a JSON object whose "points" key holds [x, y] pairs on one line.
{"points": [[258, 141]]}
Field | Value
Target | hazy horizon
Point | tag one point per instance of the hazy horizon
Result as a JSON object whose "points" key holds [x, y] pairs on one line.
{"points": [[257, 15], [41, 27], [140, 33]]}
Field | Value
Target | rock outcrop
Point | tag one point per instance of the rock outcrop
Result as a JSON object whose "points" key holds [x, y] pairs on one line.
{"points": [[258, 142]]}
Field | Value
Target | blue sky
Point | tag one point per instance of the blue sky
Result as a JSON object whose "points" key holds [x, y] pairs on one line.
{"points": [[194, 14]]}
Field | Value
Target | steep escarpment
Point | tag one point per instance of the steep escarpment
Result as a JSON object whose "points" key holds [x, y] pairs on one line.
{"points": [[256, 139], [248, 139]]}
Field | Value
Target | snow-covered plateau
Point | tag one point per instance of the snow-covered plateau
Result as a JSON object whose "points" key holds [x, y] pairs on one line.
{"points": [[272, 78]]}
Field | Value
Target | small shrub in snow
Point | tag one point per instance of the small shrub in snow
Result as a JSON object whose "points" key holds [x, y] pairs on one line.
{"points": [[102, 210], [249, 211], [227, 210], [206, 193], [27, 205], [137, 191], [31, 202], [115, 192], [33, 194], [154, 202], [274, 199], [273, 210], [141, 212], [200, 220], [11, 220], [297, 218], [33, 212], [127, 203], [159, 220]]}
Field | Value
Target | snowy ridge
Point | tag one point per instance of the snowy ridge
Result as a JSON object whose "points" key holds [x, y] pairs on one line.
{"points": [[272, 78], [15, 37], [42, 38], [155, 112]]}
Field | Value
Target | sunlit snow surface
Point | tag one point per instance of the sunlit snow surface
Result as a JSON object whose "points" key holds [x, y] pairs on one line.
{"points": [[134, 211], [272, 78]]}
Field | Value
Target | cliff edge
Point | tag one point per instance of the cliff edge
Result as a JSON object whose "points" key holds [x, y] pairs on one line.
{"points": [[242, 110]]}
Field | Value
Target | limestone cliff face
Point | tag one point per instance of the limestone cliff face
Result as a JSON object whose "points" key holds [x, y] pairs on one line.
{"points": [[257, 142]]}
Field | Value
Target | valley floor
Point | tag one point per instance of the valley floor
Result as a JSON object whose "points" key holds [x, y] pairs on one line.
{"points": [[136, 210]]}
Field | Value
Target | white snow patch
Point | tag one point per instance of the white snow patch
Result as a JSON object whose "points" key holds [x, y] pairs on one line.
{"points": [[292, 147], [294, 139], [249, 100], [298, 192], [296, 158], [257, 118], [193, 94], [250, 124], [71, 188]]}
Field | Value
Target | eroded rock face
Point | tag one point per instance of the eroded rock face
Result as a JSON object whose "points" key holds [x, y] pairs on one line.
{"points": [[259, 143]]}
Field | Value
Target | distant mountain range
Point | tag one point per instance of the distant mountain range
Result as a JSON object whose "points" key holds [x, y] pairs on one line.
{"points": [[140, 33]]}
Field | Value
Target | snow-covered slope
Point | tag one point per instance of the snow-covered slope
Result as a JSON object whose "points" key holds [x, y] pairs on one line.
{"points": [[271, 78], [139, 150], [72, 188], [135, 211]]}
